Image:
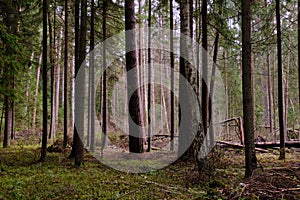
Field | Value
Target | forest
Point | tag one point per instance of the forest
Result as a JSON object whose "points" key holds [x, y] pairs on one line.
{"points": [[149, 99]]}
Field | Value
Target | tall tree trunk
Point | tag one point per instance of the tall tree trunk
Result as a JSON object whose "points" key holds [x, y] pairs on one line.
{"points": [[104, 81], [247, 81], [76, 139], [135, 132], [274, 94], [211, 91], [204, 97], [185, 111], [65, 102], [44, 74], [57, 82], [150, 87], [80, 85], [270, 98], [280, 87], [51, 44], [172, 99], [226, 89], [92, 78], [286, 96]]}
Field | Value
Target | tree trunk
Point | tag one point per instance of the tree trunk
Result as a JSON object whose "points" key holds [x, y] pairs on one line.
{"points": [[204, 95], [7, 122], [150, 86], [280, 87], [104, 81], [37, 77], [77, 149], [135, 132], [172, 99], [286, 96], [51, 44], [185, 150], [213, 73], [44, 74], [57, 82], [226, 89], [270, 98], [79, 88], [247, 81], [92, 78], [65, 76]]}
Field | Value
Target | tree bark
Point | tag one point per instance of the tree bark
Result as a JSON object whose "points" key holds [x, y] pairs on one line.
{"points": [[104, 81], [204, 95], [135, 130], [247, 82], [150, 87], [37, 77], [92, 78], [213, 73], [44, 74], [172, 99], [280, 87], [65, 102]]}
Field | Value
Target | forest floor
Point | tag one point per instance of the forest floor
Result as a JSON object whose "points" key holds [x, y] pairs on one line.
{"points": [[22, 176]]}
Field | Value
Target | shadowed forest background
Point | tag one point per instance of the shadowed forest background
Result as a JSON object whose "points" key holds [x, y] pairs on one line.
{"points": [[253, 44]]}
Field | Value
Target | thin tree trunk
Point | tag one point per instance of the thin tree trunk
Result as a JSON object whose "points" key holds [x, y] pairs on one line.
{"points": [[205, 112], [274, 107], [57, 84], [51, 76], [7, 122], [92, 78], [44, 74], [150, 87], [286, 99], [226, 89], [104, 81], [65, 75], [215, 56], [37, 77], [1, 120], [172, 128], [280, 88], [270, 99]]}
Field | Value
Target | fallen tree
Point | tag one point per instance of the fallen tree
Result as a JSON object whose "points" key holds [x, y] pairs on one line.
{"points": [[262, 145]]}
